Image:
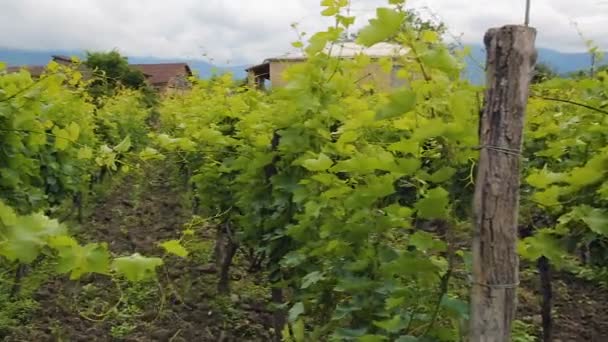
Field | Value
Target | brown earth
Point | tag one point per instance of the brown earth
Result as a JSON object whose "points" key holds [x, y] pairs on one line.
{"points": [[184, 307], [580, 310]]}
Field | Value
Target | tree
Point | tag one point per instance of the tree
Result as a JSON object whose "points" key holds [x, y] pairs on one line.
{"points": [[111, 71], [543, 72], [585, 73], [419, 24], [412, 19]]}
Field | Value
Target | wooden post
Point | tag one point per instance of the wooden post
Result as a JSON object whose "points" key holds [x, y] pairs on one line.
{"points": [[510, 62]]}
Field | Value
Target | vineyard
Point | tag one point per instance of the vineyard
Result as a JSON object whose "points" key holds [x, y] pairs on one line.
{"points": [[326, 210]]}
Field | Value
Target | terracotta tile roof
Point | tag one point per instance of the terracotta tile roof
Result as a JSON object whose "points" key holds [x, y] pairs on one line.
{"points": [[34, 70], [160, 74], [37, 70], [62, 59]]}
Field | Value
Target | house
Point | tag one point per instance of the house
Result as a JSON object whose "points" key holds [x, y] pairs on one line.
{"points": [[272, 69], [34, 70], [37, 70], [160, 76], [165, 76]]}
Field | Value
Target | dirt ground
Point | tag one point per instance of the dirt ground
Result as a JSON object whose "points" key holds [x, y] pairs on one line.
{"points": [[580, 310], [184, 307]]}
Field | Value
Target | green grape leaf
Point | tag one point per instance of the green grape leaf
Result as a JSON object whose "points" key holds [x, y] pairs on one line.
{"points": [[322, 163], [429, 36], [311, 279], [408, 166], [596, 219], [400, 103], [541, 244], [345, 310], [52, 67], [348, 137], [174, 247], [348, 334], [372, 338], [386, 25], [61, 241], [410, 263], [603, 191], [136, 267], [548, 197], [543, 178], [442, 175], [430, 129], [442, 59], [165, 141], [317, 43], [85, 153], [319, 40], [106, 158], [124, 145], [186, 144], [407, 338], [81, 260], [62, 138], [462, 104], [399, 212], [583, 176], [25, 238], [298, 329], [330, 12], [296, 310], [405, 146], [433, 205], [150, 153], [424, 241], [7, 215], [393, 325], [395, 302], [293, 259], [457, 307], [73, 131], [346, 21]]}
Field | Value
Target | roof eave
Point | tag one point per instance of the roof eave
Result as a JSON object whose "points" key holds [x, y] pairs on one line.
{"points": [[258, 66]]}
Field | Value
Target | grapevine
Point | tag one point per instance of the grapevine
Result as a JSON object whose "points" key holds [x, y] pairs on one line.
{"points": [[353, 200]]}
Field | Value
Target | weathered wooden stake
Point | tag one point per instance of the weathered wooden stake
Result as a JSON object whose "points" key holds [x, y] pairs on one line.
{"points": [[510, 62]]}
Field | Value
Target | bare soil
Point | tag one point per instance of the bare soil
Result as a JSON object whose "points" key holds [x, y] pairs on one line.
{"points": [[580, 308], [134, 217]]}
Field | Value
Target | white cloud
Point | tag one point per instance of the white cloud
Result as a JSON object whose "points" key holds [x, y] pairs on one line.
{"points": [[246, 31], [552, 18]]}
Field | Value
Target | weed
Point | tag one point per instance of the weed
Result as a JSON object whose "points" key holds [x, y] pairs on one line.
{"points": [[522, 332]]}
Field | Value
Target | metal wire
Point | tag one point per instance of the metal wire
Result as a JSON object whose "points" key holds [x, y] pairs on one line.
{"points": [[504, 150], [498, 286]]}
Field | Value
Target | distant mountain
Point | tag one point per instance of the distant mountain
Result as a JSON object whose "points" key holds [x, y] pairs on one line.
{"points": [[561, 62], [25, 57], [204, 69]]}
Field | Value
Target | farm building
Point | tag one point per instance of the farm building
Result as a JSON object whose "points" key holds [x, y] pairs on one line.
{"points": [[271, 69], [160, 76], [165, 76]]}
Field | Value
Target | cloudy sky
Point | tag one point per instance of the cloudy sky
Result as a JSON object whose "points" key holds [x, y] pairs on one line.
{"points": [[246, 31]]}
